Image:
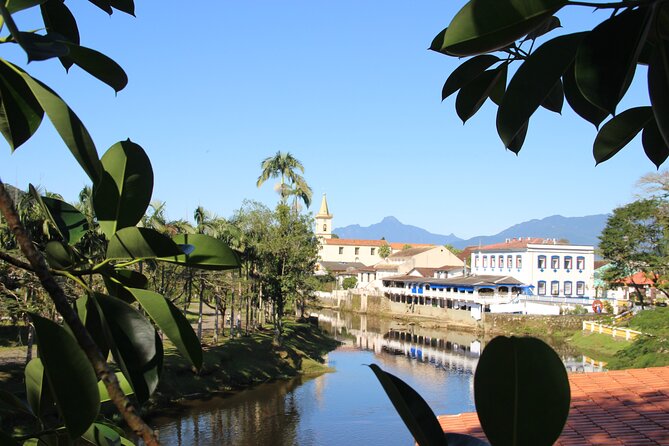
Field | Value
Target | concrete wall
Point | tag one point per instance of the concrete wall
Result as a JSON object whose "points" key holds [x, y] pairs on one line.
{"points": [[509, 323]]}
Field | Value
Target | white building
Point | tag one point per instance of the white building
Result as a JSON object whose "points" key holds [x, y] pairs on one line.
{"points": [[555, 270]]}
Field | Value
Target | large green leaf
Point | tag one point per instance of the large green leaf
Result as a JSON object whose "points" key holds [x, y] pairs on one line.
{"points": [[547, 26], [658, 86], [118, 280], [488, 25], [20, 113], [466, 73], [412, 408], [555, 98], [135, 344], [37, 393], [472, 96], [578, 102], [58, 19], [204, 252], [70, 223], [98, 65], [517, 142], [102, 435], [521, 391], [619, 131], [607, 57], [125, 385], [71, 377], [172, 322], [533, 83], [89, 314], [141, 243], [59, 255], [67, 124], [124, 192], [39, 47], [499, 88], [653, 144]]}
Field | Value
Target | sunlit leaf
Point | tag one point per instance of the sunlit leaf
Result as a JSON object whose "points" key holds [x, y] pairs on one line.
{"points": [[472, 96], [20, 113], [36, 387], [533, 83], [70, 223], [135, 344], [658, 87], [578, 102], [102, 435], [467, 72], [607, 57], [521, 391], [71, 377], [653, 144], [206, 252], [488, 25], [123, 383], [98, 65], [412, 408], [555, 98], [123, 193], [118, 280], [172, 322], [619, 131], [59, 255], [66, 123], [141, 243]]}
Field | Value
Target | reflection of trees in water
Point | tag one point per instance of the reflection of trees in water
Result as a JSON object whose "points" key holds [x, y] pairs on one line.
{"points": [[267, 414]]}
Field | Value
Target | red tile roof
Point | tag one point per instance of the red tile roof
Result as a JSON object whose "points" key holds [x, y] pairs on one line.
{"points": [[360, 242], [621, 407]]}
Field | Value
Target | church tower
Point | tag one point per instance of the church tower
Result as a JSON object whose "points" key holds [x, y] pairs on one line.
{"points": [[324, 221]]}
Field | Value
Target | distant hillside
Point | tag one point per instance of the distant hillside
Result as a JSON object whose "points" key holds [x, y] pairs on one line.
{"points": [[578, 230]]}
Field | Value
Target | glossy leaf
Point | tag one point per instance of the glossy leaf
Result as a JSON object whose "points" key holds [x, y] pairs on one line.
{"points": [[102, 435], [555, 98], [90, 315], [70, 223], [547, 26], [58, 19], [412, 408], [619, 131], [472, 96], [122, 196], [466, 73], [118, 280], [67, 124], [653, 144], [141, 243], [172, 322], [98, 65], [36, 386], [482, 26], [59, 255], [521, 391], [123, 383], [10, 404], [578, 102], [533, 83], [499, 87], [658, 87], [20, 112], [135, 345], [206, 253], [517, 142], [39, 47], [71, 377], [607, 58]]}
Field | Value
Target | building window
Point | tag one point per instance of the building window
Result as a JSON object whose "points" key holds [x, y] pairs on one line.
{"points": [[567, 263], [555, 262], [485, 261], [373, 251], [541, 288], [541, 264], [341, 250], [580, 288], [476, 261], [357, 250], [501, 261], [567, 288], [580, 263], [509, 262], [519, 262], [492, 262], [325, 228], [555, 288]]}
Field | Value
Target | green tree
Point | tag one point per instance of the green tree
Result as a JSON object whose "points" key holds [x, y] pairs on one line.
{"points": [[591, 69], [349, 282], [636, 239], [285, 166], [453, 249], [385, 250]]}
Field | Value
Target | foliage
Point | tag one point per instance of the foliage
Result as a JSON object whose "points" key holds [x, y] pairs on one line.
{"points": [[652, 321], [592, 69], [406, 246], [349, 282], [385, 251], [285, 166], [644, 352], [521, 393], [453, 249], [578, 309]]}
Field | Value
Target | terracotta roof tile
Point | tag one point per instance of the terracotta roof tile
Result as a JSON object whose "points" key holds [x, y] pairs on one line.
{"points": [[624, 407]]}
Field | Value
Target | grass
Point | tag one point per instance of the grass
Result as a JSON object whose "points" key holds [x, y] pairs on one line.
{"points": [[598, 346]]}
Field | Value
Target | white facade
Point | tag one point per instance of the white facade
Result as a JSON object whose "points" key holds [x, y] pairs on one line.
{"points": [[555, 270]]}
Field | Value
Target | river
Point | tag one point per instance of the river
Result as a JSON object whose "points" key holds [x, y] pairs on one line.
{"points": [[347, 406]]}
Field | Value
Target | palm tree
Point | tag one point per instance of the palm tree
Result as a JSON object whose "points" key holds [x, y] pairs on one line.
{"points": [[285, 166]]}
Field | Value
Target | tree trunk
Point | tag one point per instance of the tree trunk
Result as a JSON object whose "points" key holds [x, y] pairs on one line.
{"points": [[232, 313], [217, 304], [199, 312]]}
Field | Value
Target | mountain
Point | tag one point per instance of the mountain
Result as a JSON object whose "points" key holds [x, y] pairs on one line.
{"points": [[578, 230]]}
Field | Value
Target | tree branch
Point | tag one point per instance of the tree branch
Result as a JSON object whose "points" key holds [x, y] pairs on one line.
{"points": [[102, 370]]}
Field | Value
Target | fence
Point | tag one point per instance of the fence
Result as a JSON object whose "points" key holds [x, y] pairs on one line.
{"points": [[616, 332]]}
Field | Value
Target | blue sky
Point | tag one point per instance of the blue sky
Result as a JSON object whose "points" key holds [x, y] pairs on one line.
{"points": [[348, 87]]}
